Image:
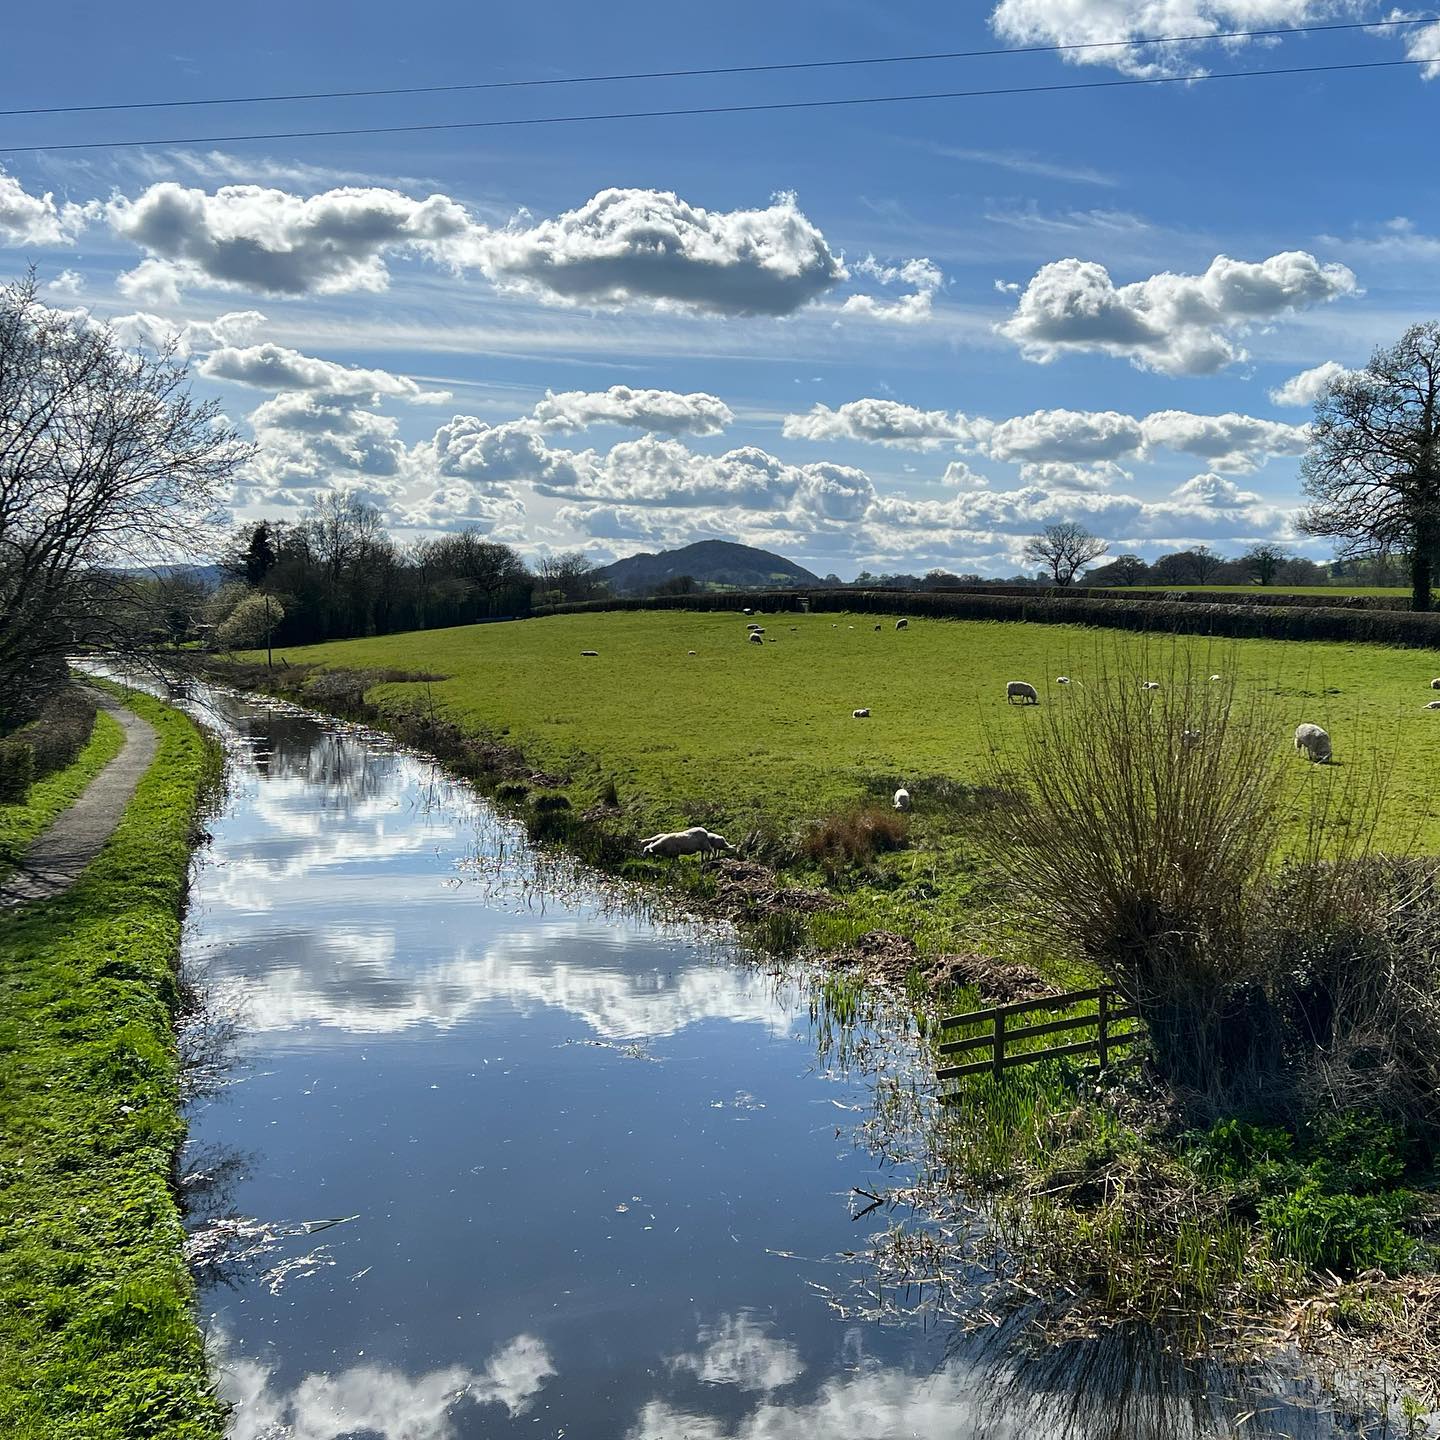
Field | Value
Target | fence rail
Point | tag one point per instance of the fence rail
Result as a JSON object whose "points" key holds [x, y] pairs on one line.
{"points": [[1110, 1009]]}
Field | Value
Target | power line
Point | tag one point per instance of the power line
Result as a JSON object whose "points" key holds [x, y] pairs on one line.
{"points": [[775, 105], [1219, 35]]}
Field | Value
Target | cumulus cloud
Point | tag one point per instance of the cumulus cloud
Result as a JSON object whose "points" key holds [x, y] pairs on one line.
{"points": [[1308, 386], [154, 332], [924, 278], [962, 477], [662, 410], [1229, 442], [1071, 435], [1213, 490], [68, 284], [882, 422], [1095, 23], [1067, 475], [1174, 324], [27, 219], [650, 246], [380, 1401], [257, 238], [1422, 42], [274, 367], [470, 449]]}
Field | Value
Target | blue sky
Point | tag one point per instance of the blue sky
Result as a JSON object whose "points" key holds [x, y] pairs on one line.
{"points": [[891, 336]]}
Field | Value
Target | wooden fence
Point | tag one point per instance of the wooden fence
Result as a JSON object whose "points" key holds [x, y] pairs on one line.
{"points": [[998, 1040]]}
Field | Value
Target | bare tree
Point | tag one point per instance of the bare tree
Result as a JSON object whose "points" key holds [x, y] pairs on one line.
{"points": [[106, 464], [1064, 550], [1204, 562], [1372, 472], [1262, 561]]}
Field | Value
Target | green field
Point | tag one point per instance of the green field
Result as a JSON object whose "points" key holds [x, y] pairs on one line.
{"points": [[739, 734], [1335, 591]]}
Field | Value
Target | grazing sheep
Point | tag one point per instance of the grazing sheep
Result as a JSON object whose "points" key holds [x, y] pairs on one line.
{"points": [[747, 611], [902, 624], [902, 799], [697, 840], [755, 638], [754, 626], [1433, 705], [1312, 742], [1214, 677], [1062, 679], [1435, 684], [879, 627], [1021, 690], [1190, 739], [1151, 685], [691, 652], [591, 653], [860, 714]]}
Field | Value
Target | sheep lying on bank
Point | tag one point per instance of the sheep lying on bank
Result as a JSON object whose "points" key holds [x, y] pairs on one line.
{"points": [[591, 653], [902, 799], [1021, 690], [860, 714], [902, 624], [1312, 742], [1151, 685], [756, 638], [1062, 679], [697, 840], [1433, 705]]}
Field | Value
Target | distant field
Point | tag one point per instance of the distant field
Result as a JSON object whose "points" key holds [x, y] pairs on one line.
{"points": [[1333, 590], [739, 731]]}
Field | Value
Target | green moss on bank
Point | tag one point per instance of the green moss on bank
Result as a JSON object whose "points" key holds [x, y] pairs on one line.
{"points": [[97, 1331], [21, 823]]}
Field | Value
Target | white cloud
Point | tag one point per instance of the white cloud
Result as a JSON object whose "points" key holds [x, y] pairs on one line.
{"points": [[68, 284], [662, 410], [924, 278], [962, 477], [27, 219], [1174, 324], [274, 367], [1229, 442], [1308, 386], [1422, 42], [252, 237], [736, 1351], [1073, 435], [1097, 23], [1068, 475], [1213, 490], [376, 1400], [490, 456], [882, 422], [624, 247]]}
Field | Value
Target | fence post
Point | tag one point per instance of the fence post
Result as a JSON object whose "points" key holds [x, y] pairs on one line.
{"points": [[1104, 1045], [999, 1045]]}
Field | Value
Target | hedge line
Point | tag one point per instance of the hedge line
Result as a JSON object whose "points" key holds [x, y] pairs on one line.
{"points": [[1405, 628]]}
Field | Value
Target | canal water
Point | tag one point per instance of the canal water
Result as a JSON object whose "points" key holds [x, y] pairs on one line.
{"points": [[480, 1149]]}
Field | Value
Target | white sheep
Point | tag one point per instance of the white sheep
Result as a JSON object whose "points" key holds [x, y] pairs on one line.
{"points": [[753, 626], [1433, 705], [860, 714], [1151, 685], [902, 799], [747, 611], [1313, 742], [1214, 677], [1190, 739], [690, 652], [755, 638], [1062, 679], [1021, 690], [697, 840], [902, 624], [1435, 684], [591, 653]]}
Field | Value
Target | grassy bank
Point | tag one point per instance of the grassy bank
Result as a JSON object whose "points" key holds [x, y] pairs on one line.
{"points": [[21, 823], [97, 1334]]}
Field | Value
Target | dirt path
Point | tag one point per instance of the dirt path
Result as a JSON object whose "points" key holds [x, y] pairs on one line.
{"points": [[57, 856]]}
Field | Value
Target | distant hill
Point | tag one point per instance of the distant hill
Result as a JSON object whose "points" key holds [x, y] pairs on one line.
{"points": [[710, 563], [210, 576]]}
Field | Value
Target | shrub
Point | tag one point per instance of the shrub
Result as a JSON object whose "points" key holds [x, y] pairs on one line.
{"points": [[854, 837], [1345, 1233], [17, 769]]}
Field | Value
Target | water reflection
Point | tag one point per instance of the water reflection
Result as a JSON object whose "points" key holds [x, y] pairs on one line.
{"points": [[437, 1046]]}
